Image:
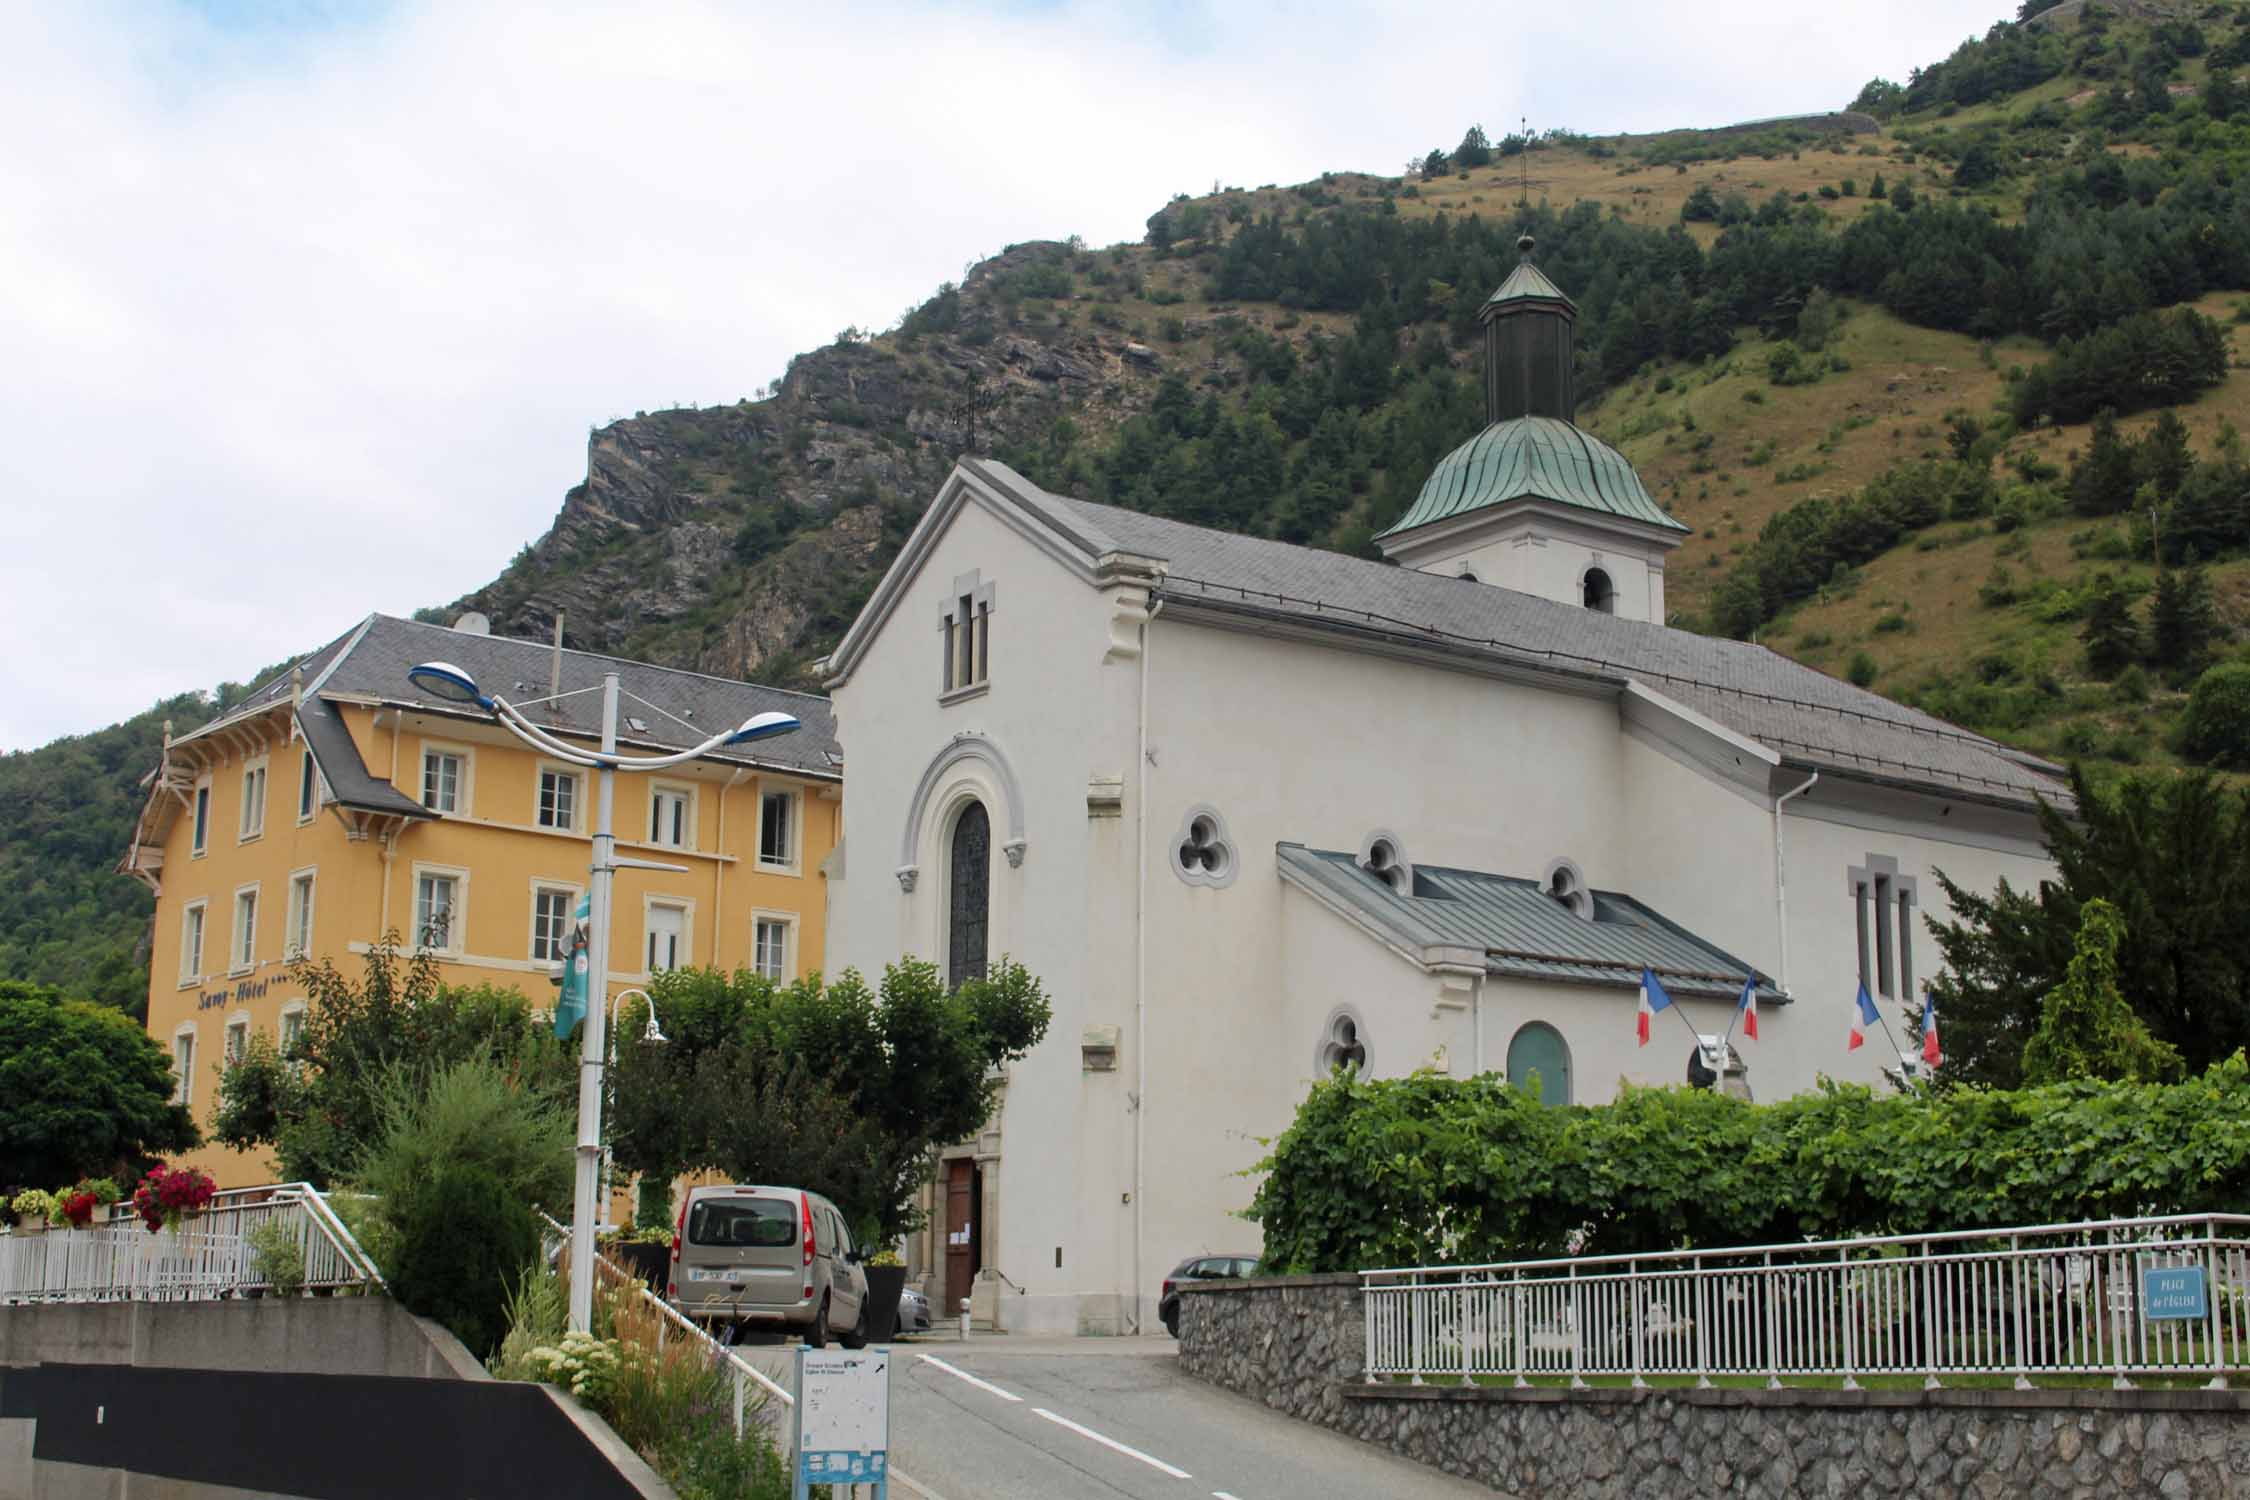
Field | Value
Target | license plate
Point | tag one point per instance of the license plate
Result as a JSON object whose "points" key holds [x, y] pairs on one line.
{"points": [[731, 1278]]}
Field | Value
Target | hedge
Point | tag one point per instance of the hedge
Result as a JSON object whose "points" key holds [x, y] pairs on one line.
{"points": [[1432, 1170]]}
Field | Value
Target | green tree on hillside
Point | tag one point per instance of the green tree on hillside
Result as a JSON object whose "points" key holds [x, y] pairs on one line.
{"points": [[1475, 149], [84, 1091], [2183, 622], [2113, 632], [2086, 1030]]}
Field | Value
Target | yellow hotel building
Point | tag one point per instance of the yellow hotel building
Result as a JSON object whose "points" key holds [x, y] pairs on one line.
{"points": [[340, 802]]}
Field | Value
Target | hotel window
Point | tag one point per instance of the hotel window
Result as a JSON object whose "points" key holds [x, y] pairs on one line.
{"points": [[308, 789], [777, 829], [183, 1065], [444, 781], [558, 799], [671, 817], [667, 937], [202, 837], [191, 942], [299, 941], [292, 1026], [552, 907], [237, 1040], [769, 953], [437, 911], [967, 633], [254, 799], [1883, 915], [245, 952]]}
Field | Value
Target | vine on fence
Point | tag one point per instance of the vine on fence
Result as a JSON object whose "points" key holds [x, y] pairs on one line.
{"points": [[1432, 1169]]}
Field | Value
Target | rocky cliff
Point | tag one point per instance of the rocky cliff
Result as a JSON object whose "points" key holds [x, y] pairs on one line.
{"points": [[741, 539]]}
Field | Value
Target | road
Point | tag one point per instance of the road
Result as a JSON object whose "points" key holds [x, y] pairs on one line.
{"points": [[1004, 1418]]}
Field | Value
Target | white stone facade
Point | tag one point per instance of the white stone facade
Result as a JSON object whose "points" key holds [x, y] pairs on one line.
{"points": [[1103, 735]]}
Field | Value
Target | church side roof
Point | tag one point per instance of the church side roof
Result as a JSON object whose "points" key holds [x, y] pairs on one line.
{"points": [[1523, 932], [1808, 717]]}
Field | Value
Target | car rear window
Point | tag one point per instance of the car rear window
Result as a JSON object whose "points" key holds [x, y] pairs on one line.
{"points": [[765, 1223]]}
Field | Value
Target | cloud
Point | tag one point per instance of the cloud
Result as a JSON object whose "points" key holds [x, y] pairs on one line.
{"points": [[309, 310]]}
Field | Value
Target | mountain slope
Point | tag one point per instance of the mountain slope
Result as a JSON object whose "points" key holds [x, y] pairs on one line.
{"points": [[1777, 322]]}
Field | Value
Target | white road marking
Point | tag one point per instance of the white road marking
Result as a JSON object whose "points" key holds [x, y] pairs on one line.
{"points": [[982, 1385], [1223, 1495], [1109, 1442]]}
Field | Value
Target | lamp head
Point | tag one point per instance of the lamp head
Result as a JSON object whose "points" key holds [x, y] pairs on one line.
{"points": [[764, 727], [442, 679]]}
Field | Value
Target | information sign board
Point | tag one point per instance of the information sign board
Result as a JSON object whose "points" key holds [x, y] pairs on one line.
{"points": [[843, 1417], [2173, 1292]]}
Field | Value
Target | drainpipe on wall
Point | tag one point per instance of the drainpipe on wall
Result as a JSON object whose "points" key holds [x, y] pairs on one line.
{"points": [[1140, 962], [1781, 878], [1476, 1026]]}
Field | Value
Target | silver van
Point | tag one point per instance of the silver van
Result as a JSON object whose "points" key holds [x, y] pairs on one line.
{"points": [[771, 1256]]}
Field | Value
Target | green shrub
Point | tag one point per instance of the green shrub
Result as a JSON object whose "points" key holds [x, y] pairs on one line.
{"points": [[1432, 1168], [457, 1243], [2216, 728], [1862, 670]]}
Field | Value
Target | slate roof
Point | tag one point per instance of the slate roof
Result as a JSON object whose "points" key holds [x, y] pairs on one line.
{"points": [[1523, 932], [1807, 717], [370, 662], [1542, 458]]}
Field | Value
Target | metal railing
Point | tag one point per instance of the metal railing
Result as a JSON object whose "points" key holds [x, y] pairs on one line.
{"points": [[740, 1373], [2122, 1298], [208, 1256]]}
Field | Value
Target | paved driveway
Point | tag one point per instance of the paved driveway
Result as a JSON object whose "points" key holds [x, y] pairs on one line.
{"points": [[1003, 1418]]}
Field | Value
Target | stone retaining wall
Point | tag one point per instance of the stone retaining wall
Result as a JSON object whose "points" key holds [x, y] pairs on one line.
{"points": [[1296, 1344]]}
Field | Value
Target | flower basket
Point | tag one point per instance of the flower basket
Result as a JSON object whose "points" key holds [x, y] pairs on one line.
{"points": [[169, 1195]]}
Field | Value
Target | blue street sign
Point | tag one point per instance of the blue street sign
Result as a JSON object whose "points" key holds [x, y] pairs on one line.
{"points": [[2173, 1292]]}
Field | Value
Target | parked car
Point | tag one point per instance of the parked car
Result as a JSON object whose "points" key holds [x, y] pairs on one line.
{"points": [[1199, 1268], [913, 1311], [768, 1257]]}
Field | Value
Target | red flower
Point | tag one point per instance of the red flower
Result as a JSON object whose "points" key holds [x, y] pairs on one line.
{"points": [[79, 1208], [168, 1194]]}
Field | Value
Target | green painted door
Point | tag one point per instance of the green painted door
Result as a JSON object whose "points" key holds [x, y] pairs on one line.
{"points": [[1539, 1049]]}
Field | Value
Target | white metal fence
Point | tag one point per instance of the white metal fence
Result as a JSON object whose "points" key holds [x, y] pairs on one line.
{"points": [[208, 1256], [2123, 1298]]}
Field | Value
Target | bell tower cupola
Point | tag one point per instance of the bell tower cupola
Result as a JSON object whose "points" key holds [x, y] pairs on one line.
{"points": [[1535, 502], [1530, 342]]}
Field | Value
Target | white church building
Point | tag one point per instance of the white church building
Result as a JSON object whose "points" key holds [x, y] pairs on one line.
{"points": [[1250, 809]]}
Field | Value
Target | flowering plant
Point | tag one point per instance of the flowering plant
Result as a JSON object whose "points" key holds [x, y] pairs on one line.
{"points": [[585, 1364], [77, 1204], [36, 1203], [169, 1194]]}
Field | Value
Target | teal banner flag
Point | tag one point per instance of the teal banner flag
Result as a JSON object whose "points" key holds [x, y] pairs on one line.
{"points": [[570, 1008]]}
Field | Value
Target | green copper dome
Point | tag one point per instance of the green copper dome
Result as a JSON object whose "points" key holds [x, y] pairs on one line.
{"points": [[1543, 458]]}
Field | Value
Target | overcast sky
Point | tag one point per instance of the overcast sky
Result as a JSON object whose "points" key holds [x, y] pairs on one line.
{"points": [[306, 309]]}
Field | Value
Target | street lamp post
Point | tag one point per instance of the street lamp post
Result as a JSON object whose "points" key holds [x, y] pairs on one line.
{"points": [[649, 1033], [444, 680]]}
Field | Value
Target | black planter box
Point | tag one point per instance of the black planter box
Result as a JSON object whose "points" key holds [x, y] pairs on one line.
{"points": [[652, 1263], [884, 1283]]}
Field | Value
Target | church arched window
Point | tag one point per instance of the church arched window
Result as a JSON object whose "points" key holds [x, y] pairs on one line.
{"points": [[1566, 884], [1203, 851], [1601, 594], [1342, 1044], [969, 894]]}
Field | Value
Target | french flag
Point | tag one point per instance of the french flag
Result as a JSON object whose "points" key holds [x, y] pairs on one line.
{"points": [[1931, 1054], [1653, 999], [1747, 1007], [1864, 1016]]}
